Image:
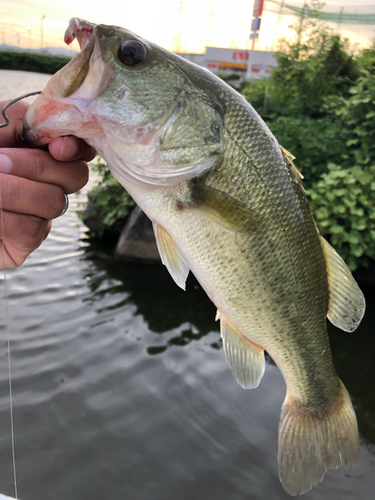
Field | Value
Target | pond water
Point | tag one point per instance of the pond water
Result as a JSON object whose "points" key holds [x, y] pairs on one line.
{"points": [[121, 389]]}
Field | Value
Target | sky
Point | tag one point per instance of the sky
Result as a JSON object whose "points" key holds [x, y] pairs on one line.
{"points": [[187, 25]]}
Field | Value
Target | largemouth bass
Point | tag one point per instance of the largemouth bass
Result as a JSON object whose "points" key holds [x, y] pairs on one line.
{"points": [[227, 203]]}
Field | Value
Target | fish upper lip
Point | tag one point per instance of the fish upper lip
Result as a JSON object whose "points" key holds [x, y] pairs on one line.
{"points": [[80, 29], [84, 31]]}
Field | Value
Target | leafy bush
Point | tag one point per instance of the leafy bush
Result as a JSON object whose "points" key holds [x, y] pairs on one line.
{"points": [[343, 201], [293, 102], [29, 61], [356, 116], [320, 104], [110, 202]]}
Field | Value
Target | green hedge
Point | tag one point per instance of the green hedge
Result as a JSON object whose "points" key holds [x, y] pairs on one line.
{"points": [[111, 203], [320, 104], [29, 61]]}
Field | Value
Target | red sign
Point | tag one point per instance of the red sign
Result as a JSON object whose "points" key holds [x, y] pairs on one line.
{"points": [[258, 8], [240, 56]]}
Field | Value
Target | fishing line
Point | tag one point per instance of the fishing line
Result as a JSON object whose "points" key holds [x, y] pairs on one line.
{"points": [[7, 316], [7, 326]]}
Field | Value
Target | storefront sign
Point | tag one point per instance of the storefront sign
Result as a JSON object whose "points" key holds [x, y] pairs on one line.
{"points": [[240, 56], [258, 8], [224, 65]]}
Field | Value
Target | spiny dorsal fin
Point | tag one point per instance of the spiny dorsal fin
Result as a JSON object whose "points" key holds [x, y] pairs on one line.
{"points": [[245, 359], [289, 158], [171, 256], [346, 301], [224, 210]]}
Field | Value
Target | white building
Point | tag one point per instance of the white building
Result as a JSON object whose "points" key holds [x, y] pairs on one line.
{"points": [[220, 60]]}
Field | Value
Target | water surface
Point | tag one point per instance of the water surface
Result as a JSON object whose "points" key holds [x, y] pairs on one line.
{"points": [[121, 389]]}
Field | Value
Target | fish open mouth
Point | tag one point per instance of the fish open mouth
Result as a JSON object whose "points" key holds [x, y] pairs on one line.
{"points": [[60, 109], [79, 29]]}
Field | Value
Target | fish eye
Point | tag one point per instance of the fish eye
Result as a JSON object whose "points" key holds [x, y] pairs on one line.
{"points": [[132, 53]]}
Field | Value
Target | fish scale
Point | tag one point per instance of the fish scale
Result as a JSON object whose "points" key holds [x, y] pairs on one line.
{"points": [[227, 203]]}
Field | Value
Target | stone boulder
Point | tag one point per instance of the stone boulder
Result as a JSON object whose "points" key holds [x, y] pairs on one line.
{"points": [[137, 240]]}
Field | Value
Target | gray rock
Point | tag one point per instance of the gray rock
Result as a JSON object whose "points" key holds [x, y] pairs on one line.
{"points": [[137, 240]]}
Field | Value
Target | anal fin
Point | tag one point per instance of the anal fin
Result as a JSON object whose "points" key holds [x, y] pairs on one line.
{"points": [[245, 358], [171, 256], [346, 301]]}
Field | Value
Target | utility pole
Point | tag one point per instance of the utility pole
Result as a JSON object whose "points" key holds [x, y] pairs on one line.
{"points": [[18, 38], [300, 27], [211, 24], [29, 31], [277, 23], [177, 42], [254, 35], [41, 32], [339, 20]]}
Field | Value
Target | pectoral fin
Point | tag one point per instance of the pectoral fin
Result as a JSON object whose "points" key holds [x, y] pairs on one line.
{"points": [[223, 209], [245, 359], [346, 301], [171, 256]]}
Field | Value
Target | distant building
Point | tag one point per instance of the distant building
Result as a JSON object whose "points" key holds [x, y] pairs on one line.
{"points": [[220, 60]]}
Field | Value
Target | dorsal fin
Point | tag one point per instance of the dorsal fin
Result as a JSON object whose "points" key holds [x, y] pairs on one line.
{"points": [[245, 359], [171, 256], [289, 158], [346, 305]]}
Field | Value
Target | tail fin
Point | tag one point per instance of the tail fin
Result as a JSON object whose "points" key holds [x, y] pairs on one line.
{"points": [[310, 444]]}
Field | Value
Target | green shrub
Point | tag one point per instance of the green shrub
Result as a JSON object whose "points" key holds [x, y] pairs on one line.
{"points": [[356, 116], [297, 102], [320, 105], [343, 201], [111, 202], [30, 61]]}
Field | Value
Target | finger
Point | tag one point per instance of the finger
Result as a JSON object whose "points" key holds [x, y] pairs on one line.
{"points": [[16, 114], [70, 149], [39, 166], [33, 198], [22, 235]]}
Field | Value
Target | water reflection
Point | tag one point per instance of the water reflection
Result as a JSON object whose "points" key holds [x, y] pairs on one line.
{"points": [[154, 294], [119, 393], [353, 355], [180, 318]]}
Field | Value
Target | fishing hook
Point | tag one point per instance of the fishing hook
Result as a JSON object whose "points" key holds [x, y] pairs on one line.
{"points": [[12, 102]]}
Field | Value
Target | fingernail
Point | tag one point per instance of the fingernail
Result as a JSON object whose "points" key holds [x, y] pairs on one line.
{"points": [[69, 148], [5, 164], [19, 138], [62, 148]]}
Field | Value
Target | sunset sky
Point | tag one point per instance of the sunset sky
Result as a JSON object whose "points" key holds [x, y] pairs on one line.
{"points": [[222, 23]]}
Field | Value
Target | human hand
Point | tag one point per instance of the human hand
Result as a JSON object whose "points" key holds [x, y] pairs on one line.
{"points": [[32, 186]]}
